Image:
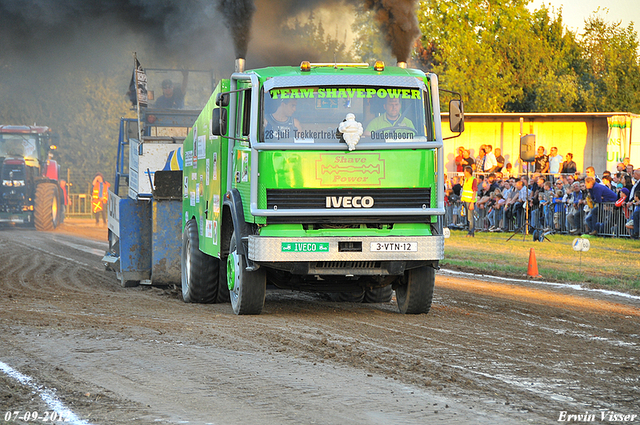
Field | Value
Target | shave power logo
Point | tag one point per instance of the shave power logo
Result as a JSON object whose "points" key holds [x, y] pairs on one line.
{"points": [[365, 169]]}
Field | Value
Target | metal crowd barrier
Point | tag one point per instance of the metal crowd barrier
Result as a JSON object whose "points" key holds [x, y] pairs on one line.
{"points": [[79, 205], [611, 219]]}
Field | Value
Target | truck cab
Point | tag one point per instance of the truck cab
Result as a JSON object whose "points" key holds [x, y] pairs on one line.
{"points": [[325, 178]]}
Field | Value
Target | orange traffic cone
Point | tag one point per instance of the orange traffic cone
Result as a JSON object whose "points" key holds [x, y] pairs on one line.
{"points": [[533, 265]]}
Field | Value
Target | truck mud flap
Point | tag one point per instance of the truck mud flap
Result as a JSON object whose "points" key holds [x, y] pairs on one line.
{"points": [[243, 229]]}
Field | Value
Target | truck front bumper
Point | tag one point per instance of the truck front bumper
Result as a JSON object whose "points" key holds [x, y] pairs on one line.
{"points": [[274, 249]]}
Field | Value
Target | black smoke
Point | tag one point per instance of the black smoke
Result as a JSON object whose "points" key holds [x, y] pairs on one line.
{"points": [[398, 21], [238, 15], [168, 26], [185, 30]]}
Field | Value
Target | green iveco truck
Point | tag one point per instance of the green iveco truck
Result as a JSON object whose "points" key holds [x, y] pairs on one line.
{"points": [[323, 178]]}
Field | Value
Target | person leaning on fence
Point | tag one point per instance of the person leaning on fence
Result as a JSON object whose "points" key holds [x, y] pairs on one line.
{"points": [[536, 212], [495, 214], [454, 199], [524, 194], [634, 204], [591, 172], [548, 195], [573, 210], [468, 197], [599, 194], [569, 208], [557, 209], [484, 195], [511, 196]]}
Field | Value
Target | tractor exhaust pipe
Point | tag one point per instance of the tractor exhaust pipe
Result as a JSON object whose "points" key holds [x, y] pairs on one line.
{"points": [[240, 64], [402, 64]]}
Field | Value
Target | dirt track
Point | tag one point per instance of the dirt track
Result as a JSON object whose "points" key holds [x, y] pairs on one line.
{"points": [[487, 352]]}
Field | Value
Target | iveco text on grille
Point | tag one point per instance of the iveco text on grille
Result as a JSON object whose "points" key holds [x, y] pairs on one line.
{"points": [[349, 201]]}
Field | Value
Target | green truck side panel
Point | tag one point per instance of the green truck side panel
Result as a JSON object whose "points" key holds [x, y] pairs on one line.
{"points": [[205, 177]]}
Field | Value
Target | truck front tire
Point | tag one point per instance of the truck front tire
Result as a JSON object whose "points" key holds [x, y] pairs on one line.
{"points": [[247, 290], [199, 274], [414, 292]]}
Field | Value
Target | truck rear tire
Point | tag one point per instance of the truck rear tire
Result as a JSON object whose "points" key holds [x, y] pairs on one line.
{"points": [[247, 290], [199, 271], [348, 297], [415, 290], [378, 295], [46, 207]]}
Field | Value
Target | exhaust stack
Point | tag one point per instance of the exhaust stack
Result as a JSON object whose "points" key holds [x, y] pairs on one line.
{"points": [[240, 64], [402, 64]]}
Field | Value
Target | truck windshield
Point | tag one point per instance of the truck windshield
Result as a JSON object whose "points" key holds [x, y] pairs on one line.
{"points": [[18, 145], [313, 114]]}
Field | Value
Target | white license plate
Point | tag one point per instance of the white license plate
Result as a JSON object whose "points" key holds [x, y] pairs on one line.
{"points": [[394, 246]]}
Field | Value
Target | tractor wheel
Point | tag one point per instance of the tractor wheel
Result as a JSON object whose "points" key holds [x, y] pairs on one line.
{"points": [[348, 297], [378, 295], [247, 289], [47, 207], [415, 290], [199, 271]]}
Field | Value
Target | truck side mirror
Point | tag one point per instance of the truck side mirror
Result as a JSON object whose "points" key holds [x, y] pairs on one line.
{"points": [[456, 116], [219, 122], [222, 99]]}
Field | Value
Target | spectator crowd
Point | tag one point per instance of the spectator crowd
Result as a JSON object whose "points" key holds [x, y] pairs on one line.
{"points": [[553, 197]]}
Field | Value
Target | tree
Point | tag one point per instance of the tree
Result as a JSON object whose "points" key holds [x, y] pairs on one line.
{"points": [[547, 66], [465, 41], [502, 57], [612, 75]]}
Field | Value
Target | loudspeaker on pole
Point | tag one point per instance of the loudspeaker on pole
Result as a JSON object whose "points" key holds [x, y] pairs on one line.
{"points": [[528, 148]]}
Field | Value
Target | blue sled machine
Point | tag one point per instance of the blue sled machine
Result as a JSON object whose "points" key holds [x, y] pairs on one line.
{"points": [[145, 206]]}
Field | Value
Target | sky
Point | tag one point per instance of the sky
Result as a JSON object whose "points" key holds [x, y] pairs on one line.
{"points": [[574, 12]]}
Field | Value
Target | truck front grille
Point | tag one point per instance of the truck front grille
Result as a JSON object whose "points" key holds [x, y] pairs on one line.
{"points": [[348, 199]]}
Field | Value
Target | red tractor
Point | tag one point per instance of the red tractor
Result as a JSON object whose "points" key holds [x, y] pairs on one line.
{"points": [[31, 190]]}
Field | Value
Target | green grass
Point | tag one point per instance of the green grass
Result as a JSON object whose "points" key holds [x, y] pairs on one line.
{"points": [[611, 263]]}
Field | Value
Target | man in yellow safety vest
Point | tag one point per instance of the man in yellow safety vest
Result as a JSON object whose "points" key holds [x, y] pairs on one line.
{"points": [[99, 198], [468, 196]]}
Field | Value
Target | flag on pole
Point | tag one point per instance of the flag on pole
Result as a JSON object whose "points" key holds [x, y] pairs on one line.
{"points": [[141, 84]]}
